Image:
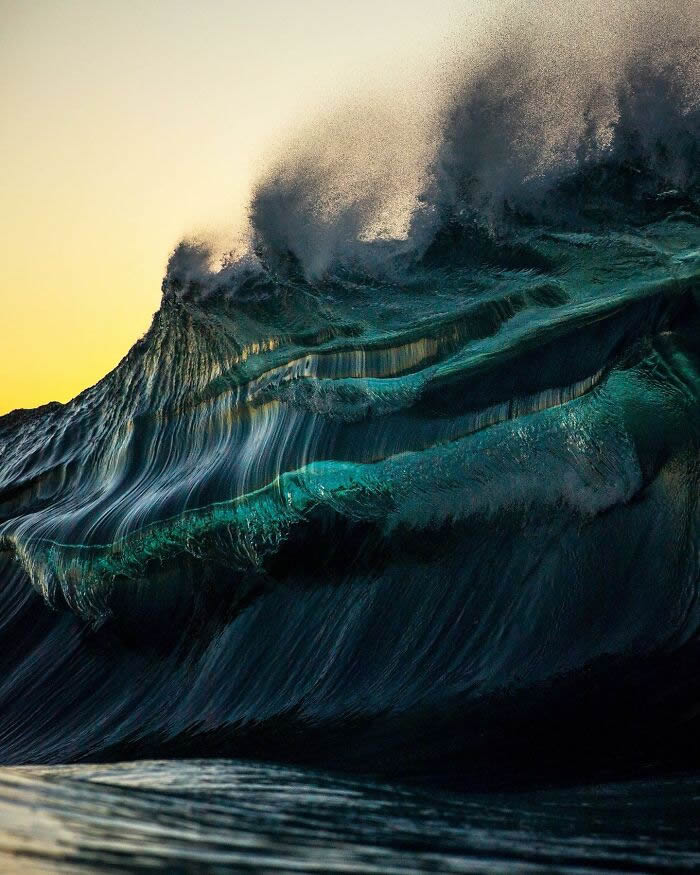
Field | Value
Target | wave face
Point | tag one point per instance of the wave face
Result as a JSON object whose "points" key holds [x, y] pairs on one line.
{"points": [[416, 506]]}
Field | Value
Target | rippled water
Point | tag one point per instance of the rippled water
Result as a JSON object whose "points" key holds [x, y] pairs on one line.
{"points": [[217, 815]]}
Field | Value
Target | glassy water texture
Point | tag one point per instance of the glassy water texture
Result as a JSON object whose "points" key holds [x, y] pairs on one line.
{"points": [[218, 815]]}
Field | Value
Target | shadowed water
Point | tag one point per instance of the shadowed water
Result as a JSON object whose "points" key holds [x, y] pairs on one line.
{"points": [[218, 815]]}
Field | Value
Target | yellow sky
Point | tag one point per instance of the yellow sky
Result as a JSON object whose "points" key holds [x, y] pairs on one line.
{"points": [[126, 125]]}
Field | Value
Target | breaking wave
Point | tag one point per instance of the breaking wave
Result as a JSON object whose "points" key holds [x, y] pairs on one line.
{"points": [[410, 484]]}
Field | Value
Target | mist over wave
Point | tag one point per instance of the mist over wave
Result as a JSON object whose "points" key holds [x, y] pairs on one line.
{"points": [[558, 115], [407, 483]]}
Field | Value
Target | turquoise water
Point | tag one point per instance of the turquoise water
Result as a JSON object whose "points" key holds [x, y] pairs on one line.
{"points": [[420, 511]]}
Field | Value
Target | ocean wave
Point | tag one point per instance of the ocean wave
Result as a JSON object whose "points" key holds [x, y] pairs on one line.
{"points": [[394, 504]]}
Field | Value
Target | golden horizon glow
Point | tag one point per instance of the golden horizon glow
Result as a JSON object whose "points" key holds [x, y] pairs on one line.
{"points": [[126, 128]]}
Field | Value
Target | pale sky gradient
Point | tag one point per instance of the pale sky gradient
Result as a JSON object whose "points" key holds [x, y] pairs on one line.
{"points": [[127, 125]]}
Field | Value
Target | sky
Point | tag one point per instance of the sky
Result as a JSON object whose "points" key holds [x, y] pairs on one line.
{"points": [[125, 126]]}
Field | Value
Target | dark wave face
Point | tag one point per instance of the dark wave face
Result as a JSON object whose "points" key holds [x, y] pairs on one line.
{"points": [[424, 507]]}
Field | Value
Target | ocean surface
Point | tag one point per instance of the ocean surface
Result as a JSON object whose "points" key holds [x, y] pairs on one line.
{"points": [[382, 552], [219, 815]]}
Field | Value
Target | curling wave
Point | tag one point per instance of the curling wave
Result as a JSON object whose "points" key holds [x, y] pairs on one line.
{"points": [[421, 506]]}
